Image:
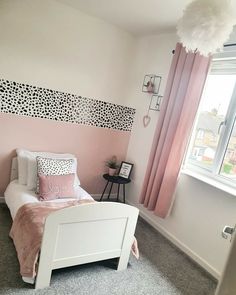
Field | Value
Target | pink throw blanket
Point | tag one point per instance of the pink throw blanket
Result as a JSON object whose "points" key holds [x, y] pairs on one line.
{"points": [[27, 232]]}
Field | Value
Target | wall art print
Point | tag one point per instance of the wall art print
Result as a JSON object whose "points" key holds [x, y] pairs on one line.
{"points": [[26, 100]]}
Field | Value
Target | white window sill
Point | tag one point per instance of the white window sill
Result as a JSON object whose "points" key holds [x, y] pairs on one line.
{"points": [[212, 182]]}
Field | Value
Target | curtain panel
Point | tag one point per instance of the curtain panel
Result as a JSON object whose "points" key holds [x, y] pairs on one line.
{"points": [[182, 95]]}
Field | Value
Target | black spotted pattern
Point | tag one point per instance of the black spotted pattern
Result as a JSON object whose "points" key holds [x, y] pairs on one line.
{"points": [[26, 100]]}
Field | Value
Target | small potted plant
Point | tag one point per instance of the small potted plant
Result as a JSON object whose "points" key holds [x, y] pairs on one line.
{"points": [[112, 165]]}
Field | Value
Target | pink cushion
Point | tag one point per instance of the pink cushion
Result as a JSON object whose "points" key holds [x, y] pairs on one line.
{"points": [[56, 187]]}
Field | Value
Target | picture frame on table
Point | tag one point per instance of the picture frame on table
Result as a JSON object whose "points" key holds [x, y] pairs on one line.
{"points": [[125, 170]]}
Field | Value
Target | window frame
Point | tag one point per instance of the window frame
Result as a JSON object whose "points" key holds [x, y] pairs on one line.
{"points": [[214, 175]]}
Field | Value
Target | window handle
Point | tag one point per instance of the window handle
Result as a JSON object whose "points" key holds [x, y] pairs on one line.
{"points": [[228, 232], [221, 124]]}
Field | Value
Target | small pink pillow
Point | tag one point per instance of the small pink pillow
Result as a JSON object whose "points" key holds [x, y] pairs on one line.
{"points": [[53, 187]]}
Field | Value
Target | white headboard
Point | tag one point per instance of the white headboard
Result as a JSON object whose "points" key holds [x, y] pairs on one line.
{"points": [[14, 169]]}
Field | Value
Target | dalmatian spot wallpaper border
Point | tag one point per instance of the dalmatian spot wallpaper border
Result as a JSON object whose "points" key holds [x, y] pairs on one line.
{"points": [[26, 100]]}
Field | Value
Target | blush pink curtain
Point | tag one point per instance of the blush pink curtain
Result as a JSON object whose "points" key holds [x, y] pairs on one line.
{"points": [[184, 87]]}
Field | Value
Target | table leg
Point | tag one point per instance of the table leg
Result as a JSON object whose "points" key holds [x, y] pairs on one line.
{"points": [[118, 192], [104, 191], [110, 191], [124, 192]]}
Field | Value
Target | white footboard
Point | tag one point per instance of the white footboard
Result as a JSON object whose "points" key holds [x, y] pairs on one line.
{"points": [[86, 233]]}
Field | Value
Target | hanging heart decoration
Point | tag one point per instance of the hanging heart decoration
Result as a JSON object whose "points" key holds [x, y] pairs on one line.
{"points": [[146, 120]]}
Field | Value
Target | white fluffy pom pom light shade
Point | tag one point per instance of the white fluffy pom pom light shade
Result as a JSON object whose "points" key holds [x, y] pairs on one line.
{"points": [[205, 25]]}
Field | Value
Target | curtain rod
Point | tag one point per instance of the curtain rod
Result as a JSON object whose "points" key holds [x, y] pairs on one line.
{"points": [[225, 45], [231, 44]]}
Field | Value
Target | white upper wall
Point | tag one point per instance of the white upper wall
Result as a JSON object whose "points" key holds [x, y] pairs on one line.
{"points": [[232, 37], [140, 17], [49, 44]]}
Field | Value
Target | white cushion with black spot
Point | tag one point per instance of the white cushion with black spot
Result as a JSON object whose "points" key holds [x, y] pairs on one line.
{"points": [[49, 166]]}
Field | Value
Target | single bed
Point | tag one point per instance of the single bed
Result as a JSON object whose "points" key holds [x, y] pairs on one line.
{"points": [[77, 235]]}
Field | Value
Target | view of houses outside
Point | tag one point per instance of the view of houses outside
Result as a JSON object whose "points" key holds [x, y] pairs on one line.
{"points": [[213, 109], [229, 165]]}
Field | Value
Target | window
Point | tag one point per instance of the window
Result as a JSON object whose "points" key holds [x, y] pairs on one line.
{"points": [[212, 148]]}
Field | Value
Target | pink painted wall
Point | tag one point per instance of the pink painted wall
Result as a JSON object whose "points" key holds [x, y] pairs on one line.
{"points": [[91, 145]]}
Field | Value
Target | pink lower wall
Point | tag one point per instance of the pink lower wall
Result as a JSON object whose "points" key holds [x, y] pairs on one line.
{"points": [[91, 145]]}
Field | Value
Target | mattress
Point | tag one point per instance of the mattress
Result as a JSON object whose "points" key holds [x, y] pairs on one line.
{"points": [[17, 195]]}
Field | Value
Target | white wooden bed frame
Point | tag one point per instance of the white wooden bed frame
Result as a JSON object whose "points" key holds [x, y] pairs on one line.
{"points": [[85, 233]]}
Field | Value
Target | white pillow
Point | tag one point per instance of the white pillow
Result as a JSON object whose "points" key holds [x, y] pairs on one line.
{"points": [[52, 166], [22, 158], [27, 166], [32, 175]]}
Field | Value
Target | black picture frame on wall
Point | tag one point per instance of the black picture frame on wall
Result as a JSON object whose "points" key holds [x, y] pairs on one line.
{"points": [[155, 102], [125, 170], [151, 83]]}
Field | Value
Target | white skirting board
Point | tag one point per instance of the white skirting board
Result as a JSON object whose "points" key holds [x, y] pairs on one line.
{"points": [[195, 257]]}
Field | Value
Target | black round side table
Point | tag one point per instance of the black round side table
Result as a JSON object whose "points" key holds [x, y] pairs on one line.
{"points": [[115, 179]]}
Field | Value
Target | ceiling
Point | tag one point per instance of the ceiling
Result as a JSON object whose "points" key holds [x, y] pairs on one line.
{"points": [[139, 17]]}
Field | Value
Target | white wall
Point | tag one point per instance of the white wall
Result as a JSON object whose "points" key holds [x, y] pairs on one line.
{"points": [[200, 211], [49, 44], [232, 37]]}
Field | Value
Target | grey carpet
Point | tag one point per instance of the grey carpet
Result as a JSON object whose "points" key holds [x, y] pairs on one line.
{"points": [[161, 269]]}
